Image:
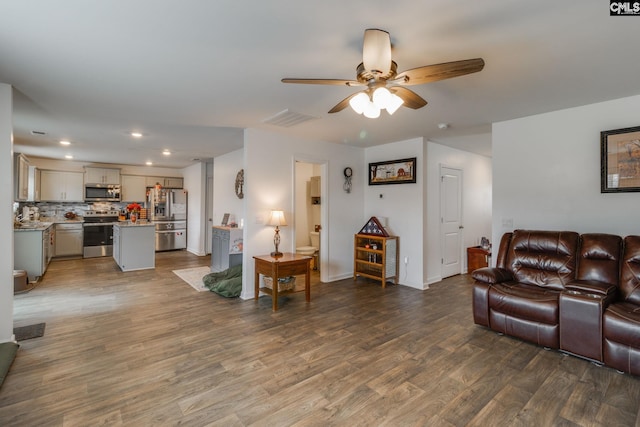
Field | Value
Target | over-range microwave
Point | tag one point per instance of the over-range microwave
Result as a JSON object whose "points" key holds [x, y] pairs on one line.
{"points": [[101, 193]]}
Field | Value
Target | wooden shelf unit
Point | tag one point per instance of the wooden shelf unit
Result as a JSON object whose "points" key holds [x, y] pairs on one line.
{"points": [[380, 263]]}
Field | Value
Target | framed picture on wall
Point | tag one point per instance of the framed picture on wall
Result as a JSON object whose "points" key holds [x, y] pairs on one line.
{"points": [[620, 160], [402, 171]]}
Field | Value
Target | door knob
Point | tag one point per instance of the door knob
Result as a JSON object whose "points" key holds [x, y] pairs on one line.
{"points": [[460, 227]]}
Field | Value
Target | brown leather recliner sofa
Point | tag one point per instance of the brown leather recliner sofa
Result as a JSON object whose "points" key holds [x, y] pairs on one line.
{"points": [[562, 290]]}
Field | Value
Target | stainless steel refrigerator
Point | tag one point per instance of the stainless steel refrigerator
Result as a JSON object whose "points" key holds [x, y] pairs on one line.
{"points": [[168, 211]]}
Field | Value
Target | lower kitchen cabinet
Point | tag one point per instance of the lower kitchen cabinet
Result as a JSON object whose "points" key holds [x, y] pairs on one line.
{"points": [[226, 248], [32, 251], [68, 240], [134, 246]]}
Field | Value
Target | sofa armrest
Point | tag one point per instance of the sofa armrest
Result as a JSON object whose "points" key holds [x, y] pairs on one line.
{"points": [[592, 287], [492, 275]]}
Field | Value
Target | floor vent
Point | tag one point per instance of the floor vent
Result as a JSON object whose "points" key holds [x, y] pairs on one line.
{"points": [[286, 118]]}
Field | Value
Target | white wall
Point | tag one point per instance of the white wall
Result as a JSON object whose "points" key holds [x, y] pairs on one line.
{"points": [[402, 205], [6, 214], [546, 171], [225, 169], [269, 160], [195, 183], [476, 202]]}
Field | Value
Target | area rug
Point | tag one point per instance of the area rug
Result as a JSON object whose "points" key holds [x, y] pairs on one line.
{"points": [[193, 276], [27, 332]]}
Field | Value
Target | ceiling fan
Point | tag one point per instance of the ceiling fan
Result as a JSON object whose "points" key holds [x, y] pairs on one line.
{"points": [[385, 88]]}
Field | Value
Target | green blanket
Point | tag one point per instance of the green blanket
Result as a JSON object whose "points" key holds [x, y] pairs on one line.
{"points": [[227, 283]]}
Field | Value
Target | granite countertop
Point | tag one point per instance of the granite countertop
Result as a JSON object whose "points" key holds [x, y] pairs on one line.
{"points": [[134, 224], [32, 226], [62, 220]]}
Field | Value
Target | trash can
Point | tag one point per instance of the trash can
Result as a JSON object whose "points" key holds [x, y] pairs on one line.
{"points": [[20, 281]]}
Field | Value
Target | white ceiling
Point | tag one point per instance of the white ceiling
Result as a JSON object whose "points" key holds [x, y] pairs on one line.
{"points": [[191, 74]]}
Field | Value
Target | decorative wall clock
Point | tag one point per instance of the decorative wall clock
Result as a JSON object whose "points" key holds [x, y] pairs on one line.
{"points": [[240, 184], [348, 173]]}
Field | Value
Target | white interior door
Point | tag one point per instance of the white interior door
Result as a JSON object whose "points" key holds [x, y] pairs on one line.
{"points": [[451, 220]]}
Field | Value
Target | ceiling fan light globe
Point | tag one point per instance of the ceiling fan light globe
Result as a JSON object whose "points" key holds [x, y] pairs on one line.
{"points": [[371, 111], [381, 97], [359, 102], [394, 103]]}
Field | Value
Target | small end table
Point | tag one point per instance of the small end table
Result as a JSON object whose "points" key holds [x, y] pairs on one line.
{"points": [[282, 266]]}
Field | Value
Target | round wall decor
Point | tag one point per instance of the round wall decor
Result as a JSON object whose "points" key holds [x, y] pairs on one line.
{"points": [[240, 184]]}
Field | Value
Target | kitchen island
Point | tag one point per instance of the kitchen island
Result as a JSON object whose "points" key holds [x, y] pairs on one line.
{"points": [[134, 245], [32, 248]]}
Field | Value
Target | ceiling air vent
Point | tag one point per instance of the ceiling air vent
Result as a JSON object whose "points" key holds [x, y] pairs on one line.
{"points": [[286, 118], [38, 132]]}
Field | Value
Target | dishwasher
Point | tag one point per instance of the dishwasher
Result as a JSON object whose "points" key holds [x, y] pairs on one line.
{"points": [[68, 240]]}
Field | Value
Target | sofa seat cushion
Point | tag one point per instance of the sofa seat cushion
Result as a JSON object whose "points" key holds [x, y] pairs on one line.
{"points": [[621, 324], [526, 302]]}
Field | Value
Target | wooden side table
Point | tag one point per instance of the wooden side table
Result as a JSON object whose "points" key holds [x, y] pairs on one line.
{"points": [[286, 265], [477, 257]]}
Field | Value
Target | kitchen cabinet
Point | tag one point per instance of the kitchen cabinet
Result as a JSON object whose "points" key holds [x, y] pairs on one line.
{"points": [[376, 257], [21, 178], [61, 186], [32, 250], [134, 246], [165, 182], [102, 175], [34, 184], [134, 188], [226, 248], [68, 240]]}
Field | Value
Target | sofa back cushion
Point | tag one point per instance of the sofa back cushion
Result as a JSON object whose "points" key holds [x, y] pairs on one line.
{"points": [[630, 270], [599, 258], [543, 258]]}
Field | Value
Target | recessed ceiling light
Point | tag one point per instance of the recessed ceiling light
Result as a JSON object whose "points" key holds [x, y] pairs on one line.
{"points": [[443, 125], [68, 156], [136, 134], [166, 152], [65, 142], [149, 163]]}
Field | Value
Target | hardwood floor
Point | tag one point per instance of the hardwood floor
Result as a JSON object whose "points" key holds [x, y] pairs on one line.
{"points": [[145, 349]]}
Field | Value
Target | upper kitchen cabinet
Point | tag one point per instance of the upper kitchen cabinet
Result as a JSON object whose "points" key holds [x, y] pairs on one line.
{"points": [[102, 175], [21, 179], [134, 188], [61, 186], [165, 182]]}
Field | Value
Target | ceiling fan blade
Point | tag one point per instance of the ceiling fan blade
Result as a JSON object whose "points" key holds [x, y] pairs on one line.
{"points": [[410, 98], [376, 51], [433, 73], [343, 104], [336, 82]]}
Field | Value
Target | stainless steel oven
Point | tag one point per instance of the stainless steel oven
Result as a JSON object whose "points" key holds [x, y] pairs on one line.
{"points": [[98, 233]]}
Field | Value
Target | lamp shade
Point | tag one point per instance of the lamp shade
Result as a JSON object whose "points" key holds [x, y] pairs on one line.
{"points": [[394, 103], [276, 218], [359, 102], [381, 97]]}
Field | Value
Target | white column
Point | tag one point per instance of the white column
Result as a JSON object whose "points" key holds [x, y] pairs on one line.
{"points": [[6, 214]]}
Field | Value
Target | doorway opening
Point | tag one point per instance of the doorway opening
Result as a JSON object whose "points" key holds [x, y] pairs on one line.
{"points": [[309, 211]]}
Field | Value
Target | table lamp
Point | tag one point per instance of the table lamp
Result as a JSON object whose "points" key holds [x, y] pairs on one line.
{"points": [[276, 218]]}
